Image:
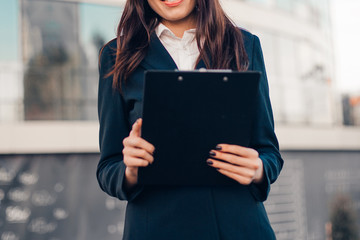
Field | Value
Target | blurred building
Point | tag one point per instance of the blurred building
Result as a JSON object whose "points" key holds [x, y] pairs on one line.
{"points": [[57, 78], [295, 35], [48, 73], [297, 45], [55, 71], [351, 110]]}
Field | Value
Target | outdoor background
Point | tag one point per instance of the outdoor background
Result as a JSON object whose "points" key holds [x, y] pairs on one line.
{"points": [[49, 129]]}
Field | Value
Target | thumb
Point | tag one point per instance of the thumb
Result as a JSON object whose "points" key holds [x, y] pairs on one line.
{"points": [[136, 128]]}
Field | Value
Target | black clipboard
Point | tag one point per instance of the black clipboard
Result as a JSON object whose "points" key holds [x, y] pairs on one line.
{"points": [[186, 114]]}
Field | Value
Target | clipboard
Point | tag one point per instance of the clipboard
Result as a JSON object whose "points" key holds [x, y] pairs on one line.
{"points": [[186, 114]]}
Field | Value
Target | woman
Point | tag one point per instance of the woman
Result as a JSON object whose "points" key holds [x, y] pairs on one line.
{"points": [[184, 34]]}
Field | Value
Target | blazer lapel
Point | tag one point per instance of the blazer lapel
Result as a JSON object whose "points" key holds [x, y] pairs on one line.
{"points": [[201, 64], [157, 56]]}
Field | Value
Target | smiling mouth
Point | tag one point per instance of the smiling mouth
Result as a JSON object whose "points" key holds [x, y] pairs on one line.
{"points": [[172, 3]]}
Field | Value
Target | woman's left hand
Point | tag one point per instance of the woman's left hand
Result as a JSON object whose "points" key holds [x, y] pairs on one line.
{"points": [[239, 163]]}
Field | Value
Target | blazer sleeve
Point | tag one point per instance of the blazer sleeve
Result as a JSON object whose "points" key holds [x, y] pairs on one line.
{"points": [[114, 127], [264, 139]]}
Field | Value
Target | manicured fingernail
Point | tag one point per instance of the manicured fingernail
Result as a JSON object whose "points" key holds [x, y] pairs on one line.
{"points": [[212, 153], [209, 162], [218, 147]]}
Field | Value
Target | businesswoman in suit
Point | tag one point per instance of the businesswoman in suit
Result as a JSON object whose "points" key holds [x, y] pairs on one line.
{"points": [[183, 34]]}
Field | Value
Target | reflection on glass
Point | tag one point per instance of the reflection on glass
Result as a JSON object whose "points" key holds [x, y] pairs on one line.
{"points": [[53, 73], [48, 58], [43, 198], [18, 195], [17, 214], [9, 236], [41, 226], [315, 12], [60, 214], [61, 76]]}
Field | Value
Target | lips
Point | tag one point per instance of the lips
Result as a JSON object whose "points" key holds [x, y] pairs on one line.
{"points": [[172, 3]]}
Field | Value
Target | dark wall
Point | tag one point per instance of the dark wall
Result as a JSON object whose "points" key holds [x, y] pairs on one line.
{"points": [[302, 199], [57, 196]]}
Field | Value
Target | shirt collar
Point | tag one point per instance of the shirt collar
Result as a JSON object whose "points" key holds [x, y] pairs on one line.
{"points": [[162, 29]]}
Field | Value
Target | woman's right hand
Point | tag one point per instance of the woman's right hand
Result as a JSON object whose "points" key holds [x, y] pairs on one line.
{"points": [[137, 153]]}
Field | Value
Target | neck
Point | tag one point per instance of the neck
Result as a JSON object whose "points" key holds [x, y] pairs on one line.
{"points": [[180, 26]]}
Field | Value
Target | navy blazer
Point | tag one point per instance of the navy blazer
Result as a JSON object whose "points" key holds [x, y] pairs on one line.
{"points": [[171, 213]]}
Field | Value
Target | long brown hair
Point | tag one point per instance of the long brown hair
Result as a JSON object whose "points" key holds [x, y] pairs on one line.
{"points": [[221, 38]]}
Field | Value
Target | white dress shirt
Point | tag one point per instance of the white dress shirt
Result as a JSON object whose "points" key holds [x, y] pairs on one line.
{"points": [[184, 51]]}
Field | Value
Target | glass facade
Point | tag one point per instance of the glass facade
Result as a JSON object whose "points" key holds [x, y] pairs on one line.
{"points": [[10, 68], [300, 79], [316, 12], [55, 75], [48, 66], [299, 65]]}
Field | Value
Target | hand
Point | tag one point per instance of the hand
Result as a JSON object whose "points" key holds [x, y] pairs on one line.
{"points": [[239, 163], [137, 153]]}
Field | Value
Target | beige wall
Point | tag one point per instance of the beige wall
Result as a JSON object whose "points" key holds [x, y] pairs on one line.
{"points": [[72, 137]]}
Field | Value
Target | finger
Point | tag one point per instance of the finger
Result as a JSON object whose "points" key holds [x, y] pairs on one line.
{"points": [[240, 179], [135, 162], [138, 153], [238, 150], [245, 172], [140, 121], [235, 159], [138, 142], [136, 128], [132, 171]]}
